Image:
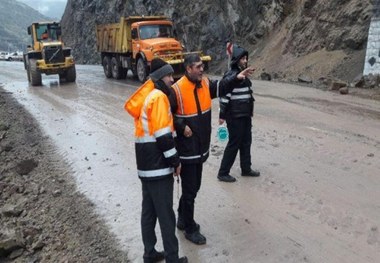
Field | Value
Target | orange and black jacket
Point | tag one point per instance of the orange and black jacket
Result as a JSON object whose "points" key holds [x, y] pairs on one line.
{"points": [[156, 155], [192, 107]]}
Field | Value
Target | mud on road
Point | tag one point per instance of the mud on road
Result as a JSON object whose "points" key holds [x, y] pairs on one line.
{"points": [[43, 217], [316, 201]]}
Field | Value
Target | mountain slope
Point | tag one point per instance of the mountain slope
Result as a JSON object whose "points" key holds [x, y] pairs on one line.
{"points": [[15, 17], [284, 37]]}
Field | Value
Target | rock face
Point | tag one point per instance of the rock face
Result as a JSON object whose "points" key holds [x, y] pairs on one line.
{"points": [[286, 37]]}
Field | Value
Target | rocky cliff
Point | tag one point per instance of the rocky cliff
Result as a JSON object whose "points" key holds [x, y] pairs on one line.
{"points": [[285, 37]]}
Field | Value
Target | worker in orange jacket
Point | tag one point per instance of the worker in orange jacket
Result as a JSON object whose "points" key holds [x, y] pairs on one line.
{"points": [[192, 108], [157, 160]]}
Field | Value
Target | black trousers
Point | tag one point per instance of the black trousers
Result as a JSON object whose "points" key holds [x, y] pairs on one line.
{"points": [[240, 139], [191, 177], [157, 202]]}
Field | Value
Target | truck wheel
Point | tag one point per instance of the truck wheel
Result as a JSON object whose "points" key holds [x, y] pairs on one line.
{"points": [[123, 73], [141, 70], [134, 71], [107, 66], [62, 77], [28, 73], [35, 76], [71, 74], [117, 71]]}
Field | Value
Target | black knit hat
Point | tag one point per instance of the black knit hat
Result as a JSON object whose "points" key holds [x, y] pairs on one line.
{"points": [[159, 69]]}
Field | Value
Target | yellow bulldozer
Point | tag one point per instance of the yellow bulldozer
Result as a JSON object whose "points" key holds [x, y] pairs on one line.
{"points": [[47, 54]]}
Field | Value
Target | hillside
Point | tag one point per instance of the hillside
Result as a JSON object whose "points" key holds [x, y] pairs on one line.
{"points": [[15, 17], [285, 37]]}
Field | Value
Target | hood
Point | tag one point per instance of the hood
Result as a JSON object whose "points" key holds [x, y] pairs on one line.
{"points": [[237, 53], [134, 104], [157, 44]]}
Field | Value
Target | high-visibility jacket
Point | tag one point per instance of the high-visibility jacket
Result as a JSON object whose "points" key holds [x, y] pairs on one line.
{"points": [[193, 108], [156, 155]]}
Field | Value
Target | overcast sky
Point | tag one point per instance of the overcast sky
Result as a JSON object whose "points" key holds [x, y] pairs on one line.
{"points": [[50, 8]]}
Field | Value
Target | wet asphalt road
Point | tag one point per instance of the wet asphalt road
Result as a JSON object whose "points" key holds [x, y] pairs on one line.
{"points": [[316, 201]]}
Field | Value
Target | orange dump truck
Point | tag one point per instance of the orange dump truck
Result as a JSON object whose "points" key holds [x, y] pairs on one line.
{"points": [[135, 41]]}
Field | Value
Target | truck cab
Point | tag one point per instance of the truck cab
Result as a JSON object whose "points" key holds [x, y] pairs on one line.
{"points": [[152, 39]]}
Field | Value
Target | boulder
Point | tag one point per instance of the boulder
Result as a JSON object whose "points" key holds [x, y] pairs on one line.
{"points": [[337, 84], [304, 79], [343, 90], [265, 76]]}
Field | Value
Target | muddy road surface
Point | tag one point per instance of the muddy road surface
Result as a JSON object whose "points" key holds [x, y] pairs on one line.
{"points": [[317, 199]]}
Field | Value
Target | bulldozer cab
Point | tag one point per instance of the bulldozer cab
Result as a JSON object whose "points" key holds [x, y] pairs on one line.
{"points": [[47, 54], [44, 32]]}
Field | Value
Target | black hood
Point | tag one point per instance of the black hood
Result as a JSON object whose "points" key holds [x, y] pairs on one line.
{"points": [[237, 53]]}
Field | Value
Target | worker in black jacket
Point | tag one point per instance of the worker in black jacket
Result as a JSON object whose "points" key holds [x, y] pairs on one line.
{"points": [[236, 108]]}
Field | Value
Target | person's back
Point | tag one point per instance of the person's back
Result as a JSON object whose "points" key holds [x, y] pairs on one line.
{"points": [[157, 159]]}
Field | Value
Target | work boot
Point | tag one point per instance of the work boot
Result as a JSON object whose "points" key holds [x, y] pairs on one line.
{"points": [[154, 257], [196, 237], [250, 172], [182, 260], [181, 224], [226, 178]]}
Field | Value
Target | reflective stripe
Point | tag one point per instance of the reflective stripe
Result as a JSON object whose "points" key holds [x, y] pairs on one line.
{"points": [[191, 115], [154, 173], [174, 133], [224, 100], [228, 95], [162, 131], [193, 156], [180, 97], [144, 119], [217, 89], [244, 89], [170, 153], [190, 157], [239, 97], [145, 139]]}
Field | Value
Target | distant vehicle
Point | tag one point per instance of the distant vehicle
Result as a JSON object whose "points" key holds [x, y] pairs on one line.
{"points": [[4, 55], [16, 56], [47, 54], [135, 41]]}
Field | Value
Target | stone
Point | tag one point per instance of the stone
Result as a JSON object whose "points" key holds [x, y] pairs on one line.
{"points": [[265, 76], [26, 166], [11, 210], [337, 84], [343, 90], [304, 79]]}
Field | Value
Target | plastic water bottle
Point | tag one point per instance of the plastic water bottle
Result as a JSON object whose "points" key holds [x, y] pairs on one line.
{"points": [[222, 133]]}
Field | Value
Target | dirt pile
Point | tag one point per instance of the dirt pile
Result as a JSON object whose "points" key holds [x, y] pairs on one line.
{"points": [[42, 216]]}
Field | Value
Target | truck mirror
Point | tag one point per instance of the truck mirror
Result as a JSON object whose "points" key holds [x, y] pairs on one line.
{"points": [[175, 33], [134, 34], [29, 31]]}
